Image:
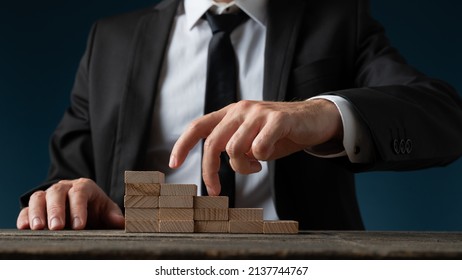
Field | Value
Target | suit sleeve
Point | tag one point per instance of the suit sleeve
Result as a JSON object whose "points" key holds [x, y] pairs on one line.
{"points": [[414, 121], [71, 151]]}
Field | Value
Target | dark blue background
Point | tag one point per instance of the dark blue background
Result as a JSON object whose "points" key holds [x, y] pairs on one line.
{"points": [[41, 43]]}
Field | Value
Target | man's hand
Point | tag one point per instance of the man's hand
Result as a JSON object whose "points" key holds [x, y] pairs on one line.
{"points": [[75, 204], [251, 131]]}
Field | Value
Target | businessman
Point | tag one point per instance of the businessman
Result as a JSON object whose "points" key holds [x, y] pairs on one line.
{"points": [[322, 95]]}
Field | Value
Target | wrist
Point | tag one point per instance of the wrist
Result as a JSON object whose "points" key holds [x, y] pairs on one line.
{"points": [[330, 125], [329, 122]]}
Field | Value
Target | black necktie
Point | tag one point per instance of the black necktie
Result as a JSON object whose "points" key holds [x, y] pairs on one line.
{"points": [[221, 86]]}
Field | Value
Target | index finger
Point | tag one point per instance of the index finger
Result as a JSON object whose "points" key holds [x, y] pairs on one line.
{"points": [[197, 130]]}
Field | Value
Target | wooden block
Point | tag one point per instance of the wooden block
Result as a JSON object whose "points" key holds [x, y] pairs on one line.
{"points": [[245, 214], [280, 227], [142, 189], [152, 177], [178, 189], [210, 214], [245, 226], [176, 201], [176, 214], [141, 226], [211, 226], [141, 201], [221, 202], [176, 226], [141, 214]]}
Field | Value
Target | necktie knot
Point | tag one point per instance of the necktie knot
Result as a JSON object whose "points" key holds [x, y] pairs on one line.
{"points": [[225, 22]]}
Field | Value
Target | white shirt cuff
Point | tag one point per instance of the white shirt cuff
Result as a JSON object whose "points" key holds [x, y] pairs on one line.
{"points": [[356, 138]]}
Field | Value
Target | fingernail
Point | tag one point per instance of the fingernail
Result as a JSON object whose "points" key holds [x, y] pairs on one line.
{"points": [[172, 162], [76, 223], [36, 222], [55, 223]]}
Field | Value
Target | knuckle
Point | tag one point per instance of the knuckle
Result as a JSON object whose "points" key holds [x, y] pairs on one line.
{"points": [[195, 125], [77, 189], [81, 186], [209, 144], [56, 210], [208, 175], [260, 150], [205, 173], [58, 187], [38, 195], [245, 104], [83, 181], [233, 150]]}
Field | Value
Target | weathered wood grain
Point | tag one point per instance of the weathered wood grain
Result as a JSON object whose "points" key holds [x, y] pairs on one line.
{"points": [[155, 177], [220, 202], [141, 201], [117, 244], [280, 227], [176, 226], [245, 214], [236, 226], [176, 201], [178, 189], [210, 214], [142, 189], [176, 214], [141, 214], [141, 226], [211, 226]]}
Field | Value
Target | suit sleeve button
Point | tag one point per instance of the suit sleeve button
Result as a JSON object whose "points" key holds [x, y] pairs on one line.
{"points": [[396, 146], [408, 146], [402, 146]]}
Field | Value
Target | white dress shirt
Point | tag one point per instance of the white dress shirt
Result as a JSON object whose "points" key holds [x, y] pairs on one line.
{"points": [[181, 94]]}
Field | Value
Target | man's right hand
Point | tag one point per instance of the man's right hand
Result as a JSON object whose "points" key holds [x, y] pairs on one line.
{"points": [[88, 207]]}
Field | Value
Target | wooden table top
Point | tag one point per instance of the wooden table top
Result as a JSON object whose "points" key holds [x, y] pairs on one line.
{"points": [[116, 244]]}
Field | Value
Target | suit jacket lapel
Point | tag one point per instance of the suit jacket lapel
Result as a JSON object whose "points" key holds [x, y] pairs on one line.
{"points": [[284, 19], [149, 46]]}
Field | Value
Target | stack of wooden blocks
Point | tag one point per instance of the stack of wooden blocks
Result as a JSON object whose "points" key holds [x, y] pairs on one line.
{"points": [[151, 205]]}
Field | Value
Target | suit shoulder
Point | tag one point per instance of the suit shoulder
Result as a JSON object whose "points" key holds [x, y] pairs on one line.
{"points": [[124, 21], [131, 18], [124, 24]]}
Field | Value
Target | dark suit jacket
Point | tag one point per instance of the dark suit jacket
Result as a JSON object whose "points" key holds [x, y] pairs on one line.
{"points": [[313, 47]]}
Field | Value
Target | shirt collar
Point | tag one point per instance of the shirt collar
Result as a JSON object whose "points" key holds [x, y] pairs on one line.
{"points": [[195, 9]]}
